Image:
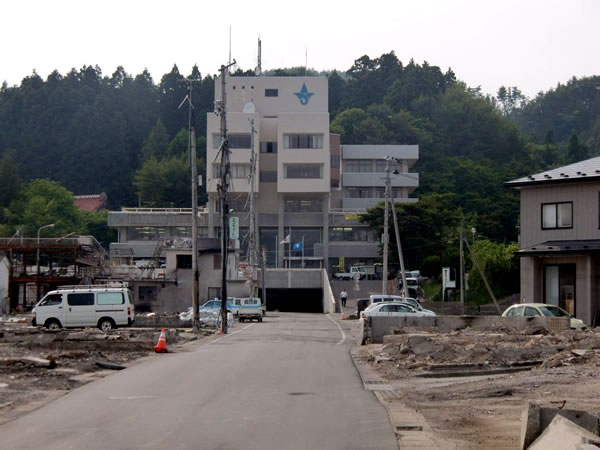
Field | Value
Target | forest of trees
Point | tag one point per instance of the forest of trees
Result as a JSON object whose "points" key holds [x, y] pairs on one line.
{"points": [[124, 135]]}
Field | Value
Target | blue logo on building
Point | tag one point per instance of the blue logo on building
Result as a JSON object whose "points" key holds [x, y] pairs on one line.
{"points": [[304, 96]]}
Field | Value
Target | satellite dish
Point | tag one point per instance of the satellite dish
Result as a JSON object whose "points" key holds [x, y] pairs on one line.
{"points": [[249, 108]]}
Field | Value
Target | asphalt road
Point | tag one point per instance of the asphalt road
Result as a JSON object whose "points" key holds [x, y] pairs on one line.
{"points": [[286, 383]]}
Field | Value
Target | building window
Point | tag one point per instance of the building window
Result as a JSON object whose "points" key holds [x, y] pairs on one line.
{"points": [[303, 205], [303, 141], [557, 215], [359, 193], [358, 165], [268, 147], [348, 234], [235, 204], [268, 176], [271, 92], [303, 171], [181, 232], [235, 141], [380, 166], [238, 171], [184, 261], [146, 233], [217, 261], [335, 161]]}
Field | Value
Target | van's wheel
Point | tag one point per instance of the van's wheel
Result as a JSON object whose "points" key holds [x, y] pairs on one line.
{"points": [[241, 319], [53, 324], [106, 324], [260, 319]]}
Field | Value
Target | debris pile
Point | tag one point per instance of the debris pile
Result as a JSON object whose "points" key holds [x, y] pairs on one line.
{"points": [[408, 352]]}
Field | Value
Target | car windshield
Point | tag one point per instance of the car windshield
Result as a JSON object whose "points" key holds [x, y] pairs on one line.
{"points": [[554, 311]]}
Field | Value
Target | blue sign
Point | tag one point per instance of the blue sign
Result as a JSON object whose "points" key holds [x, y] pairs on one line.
{"points": [[304, 96], [297, 246]]}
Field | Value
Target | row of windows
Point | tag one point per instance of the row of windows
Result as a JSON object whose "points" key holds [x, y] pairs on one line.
{"points": [[371, 192], [87, 299], [303, 205], [349, 234], [368, 166], [159, 233], [291, 141], [238, 171], [303, 141], [295, 171]]}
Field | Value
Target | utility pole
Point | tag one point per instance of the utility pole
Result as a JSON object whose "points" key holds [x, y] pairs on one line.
{"points": [[400, 255], [386, 237], [194, 183], [462, 267], [253, 249], [223, 188]]}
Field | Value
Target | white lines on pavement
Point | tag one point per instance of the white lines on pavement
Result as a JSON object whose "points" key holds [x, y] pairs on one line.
{"points": [[339, 328], [231, 334], [132, 397]]}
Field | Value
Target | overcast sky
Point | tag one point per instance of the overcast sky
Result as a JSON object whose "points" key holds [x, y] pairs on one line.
{"points": [[532, 44]]}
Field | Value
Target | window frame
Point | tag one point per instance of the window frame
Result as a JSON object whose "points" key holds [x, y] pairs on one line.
{"points": [[556, 226]]}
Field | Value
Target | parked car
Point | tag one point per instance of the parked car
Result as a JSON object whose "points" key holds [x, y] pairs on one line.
{"points": [[415, 304], [392, 309], [85, 306], [216, 304], [542, 309]]}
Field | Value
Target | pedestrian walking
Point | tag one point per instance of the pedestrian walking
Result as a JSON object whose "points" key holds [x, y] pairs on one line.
{"points": [[343, 297]]}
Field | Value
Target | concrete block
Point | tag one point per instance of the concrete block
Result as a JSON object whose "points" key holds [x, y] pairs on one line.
{"points": [[535, 419], [562, 433]]}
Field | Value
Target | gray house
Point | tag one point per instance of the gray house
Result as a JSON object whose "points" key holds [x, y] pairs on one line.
{"points": [[560, 238]]}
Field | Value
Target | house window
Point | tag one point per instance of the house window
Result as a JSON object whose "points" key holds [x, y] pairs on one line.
{"points": [[239, 171], [380, 166], [271, 92], [358, 165], [559, 286], [184, 261], [217, 261], [268, 147], [303, 170], [303, 141], [557, 215]]}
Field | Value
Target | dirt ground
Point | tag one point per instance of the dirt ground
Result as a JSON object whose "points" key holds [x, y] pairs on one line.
{"points": [[26, 384], [446, 377]]}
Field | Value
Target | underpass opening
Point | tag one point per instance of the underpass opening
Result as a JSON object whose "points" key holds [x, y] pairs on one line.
{"points": [[295, 300]]}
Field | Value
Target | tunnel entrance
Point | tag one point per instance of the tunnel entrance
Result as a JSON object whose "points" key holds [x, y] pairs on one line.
{"points": [[295, 300]]}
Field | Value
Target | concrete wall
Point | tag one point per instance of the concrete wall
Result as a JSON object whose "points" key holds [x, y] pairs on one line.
{"points": [[382, 326], [329, 303]]}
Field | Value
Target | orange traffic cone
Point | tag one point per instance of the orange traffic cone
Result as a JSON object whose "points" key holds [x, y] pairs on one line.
{"points": [[161, 345], [343, 316]]}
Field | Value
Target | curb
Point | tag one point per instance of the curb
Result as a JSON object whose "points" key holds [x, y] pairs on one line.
{"points": [[410, 427]]}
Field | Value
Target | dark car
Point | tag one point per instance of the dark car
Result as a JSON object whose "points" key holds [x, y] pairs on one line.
{"points": [[361, 304]]}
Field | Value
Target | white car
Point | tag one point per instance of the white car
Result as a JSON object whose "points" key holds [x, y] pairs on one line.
{"points": [[393, 309], [543, 309]]}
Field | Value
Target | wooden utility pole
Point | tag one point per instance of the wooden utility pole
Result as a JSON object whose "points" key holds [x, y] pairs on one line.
{"points": [[386, 237], [223, 188], [462, 268]]}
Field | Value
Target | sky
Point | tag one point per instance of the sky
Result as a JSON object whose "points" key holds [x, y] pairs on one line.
{"points": [[531, 44]]}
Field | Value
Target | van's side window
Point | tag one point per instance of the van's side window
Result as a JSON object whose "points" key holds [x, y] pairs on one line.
{"points": [[110, 298], [54, 299], [83, 299]]}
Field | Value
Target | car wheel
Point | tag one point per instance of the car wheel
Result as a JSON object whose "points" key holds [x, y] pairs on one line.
{"points": [[53, 324], [260, 319], [106, 324], [241, 319]]}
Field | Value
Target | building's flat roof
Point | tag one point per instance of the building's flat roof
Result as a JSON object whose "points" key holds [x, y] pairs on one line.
{"points": [[582, 171]]}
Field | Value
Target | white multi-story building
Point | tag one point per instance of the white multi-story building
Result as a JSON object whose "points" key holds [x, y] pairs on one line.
{"points": [[308, 186]]}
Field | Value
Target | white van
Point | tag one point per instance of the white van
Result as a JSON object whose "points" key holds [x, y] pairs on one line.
{"points": [[85, 306]]}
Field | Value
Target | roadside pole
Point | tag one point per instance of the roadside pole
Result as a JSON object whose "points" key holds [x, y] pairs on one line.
{"points": [[386, 237], [462, 268]]}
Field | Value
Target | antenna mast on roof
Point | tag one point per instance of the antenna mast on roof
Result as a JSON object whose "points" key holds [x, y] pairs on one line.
{"points": [[259, 59]]}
